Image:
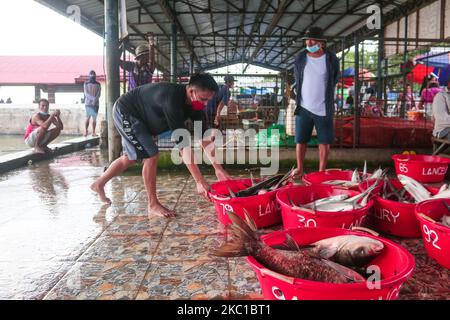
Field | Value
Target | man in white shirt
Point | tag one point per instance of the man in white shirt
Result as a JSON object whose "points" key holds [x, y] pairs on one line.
{"points": [[316, 72]]}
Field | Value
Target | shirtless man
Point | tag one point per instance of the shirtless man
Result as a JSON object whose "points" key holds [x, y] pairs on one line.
{"points": [[38, 135], [150, 110]]}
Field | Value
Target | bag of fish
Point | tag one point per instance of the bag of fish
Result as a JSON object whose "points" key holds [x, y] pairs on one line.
{"points": [[321, 263], [323, 206], [422, 168], [434, 218], [394, 206], [256, 197]]}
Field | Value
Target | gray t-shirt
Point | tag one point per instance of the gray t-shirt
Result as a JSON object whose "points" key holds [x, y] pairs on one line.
{"points": [[160, 106]]}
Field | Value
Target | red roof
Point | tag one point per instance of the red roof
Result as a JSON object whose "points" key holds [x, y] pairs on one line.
{"points": [[48, 69]]}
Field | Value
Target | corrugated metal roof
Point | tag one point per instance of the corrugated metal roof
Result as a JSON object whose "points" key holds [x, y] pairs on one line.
{"points": [[224, 32]]}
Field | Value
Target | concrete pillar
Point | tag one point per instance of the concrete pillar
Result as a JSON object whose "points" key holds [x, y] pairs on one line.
{"points": [[51, 94], [37, 93], [112, 74], [173, 54]]}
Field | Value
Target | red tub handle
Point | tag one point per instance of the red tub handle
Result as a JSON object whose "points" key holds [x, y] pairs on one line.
{"points": [[370, 231], [426, 217], [278, 276], [329, 169]]}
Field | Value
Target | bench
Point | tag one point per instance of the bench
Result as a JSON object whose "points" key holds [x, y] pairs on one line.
{"points": [[439, 145]]}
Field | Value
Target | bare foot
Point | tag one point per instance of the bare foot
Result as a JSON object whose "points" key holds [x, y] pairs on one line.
{"points": [[160, 210], [100, 190], [85, 134], [94, 134], [39, 150], [47, 149]]}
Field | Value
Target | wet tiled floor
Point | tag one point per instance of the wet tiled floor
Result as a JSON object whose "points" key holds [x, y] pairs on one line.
{"points": [[59, 242]]}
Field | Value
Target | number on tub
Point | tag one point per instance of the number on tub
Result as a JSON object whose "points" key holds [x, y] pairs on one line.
{"points": [[278, 294], [431, 236], [402, 167], [307, 222], [225, 208]]}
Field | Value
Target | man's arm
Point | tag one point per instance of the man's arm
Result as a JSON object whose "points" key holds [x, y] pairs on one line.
{"points": [[151, 58], [44, 124], [188, 159], [219, 109], [210, 150]]}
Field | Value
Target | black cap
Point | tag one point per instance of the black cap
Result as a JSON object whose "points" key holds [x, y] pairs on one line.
{"points": [[228, 78], [315, 33]]}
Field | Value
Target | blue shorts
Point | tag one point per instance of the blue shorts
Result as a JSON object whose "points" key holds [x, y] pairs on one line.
{"points": [[305, 121], [91, 111]]}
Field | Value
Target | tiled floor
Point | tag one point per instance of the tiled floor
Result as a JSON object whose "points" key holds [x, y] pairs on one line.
{"points": [[59, 242]]}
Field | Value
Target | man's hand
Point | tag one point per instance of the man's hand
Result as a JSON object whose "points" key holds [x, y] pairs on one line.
{"points": [[296, 174], [202, 189], [217, 120], [151, 38], [57, 112]]}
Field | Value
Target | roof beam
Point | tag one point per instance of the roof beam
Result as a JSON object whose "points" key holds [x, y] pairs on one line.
{"points": [[283, 5], [241, 27], [263, 5], [170, 14]]}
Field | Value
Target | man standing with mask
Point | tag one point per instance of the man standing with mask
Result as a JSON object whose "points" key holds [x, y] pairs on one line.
{"points": [[316, 72], [92, 90]]}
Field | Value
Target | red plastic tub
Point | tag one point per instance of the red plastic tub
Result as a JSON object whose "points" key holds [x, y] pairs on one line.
{"points": [[395, 265], [393, 217], [297, 218], [262, 208], [423, 168], [319, 177], [436, 237]]}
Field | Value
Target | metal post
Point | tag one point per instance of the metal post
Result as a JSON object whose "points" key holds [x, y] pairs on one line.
{"points": [[380, 55], [124, 74], [405, 72], [112, 73], [173, 54], [341, 123], [191, 64], [356, 122]]}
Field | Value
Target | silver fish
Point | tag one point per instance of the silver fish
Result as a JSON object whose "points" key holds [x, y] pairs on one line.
{"points": [[414, 188], [348, 250], [337, 197]]}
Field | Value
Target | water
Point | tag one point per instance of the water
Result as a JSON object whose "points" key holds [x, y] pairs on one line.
{"points": [[10, 143]]}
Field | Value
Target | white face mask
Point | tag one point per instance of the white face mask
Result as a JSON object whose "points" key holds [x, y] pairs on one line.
{"points": [[44, 113]]}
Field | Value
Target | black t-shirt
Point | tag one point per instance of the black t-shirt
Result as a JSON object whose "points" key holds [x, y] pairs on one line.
{"points": [[161, 106]]}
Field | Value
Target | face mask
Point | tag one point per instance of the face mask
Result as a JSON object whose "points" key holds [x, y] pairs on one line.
{"points": [[43, 113], [197, 105], [313, 49]]}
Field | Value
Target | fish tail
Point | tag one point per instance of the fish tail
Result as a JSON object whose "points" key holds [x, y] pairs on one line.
{"points": [[245, 239]]}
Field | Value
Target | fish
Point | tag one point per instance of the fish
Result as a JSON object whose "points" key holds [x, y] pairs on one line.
{"points": [[414, 188], [297, 263], [343, 205], [348, 250], [355, 176], [337, 197], [364, 175], [445, 219], [271, 183], [341, 183], [378, 173]]}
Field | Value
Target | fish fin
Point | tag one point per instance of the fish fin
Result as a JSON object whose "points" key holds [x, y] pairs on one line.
{"points": [[250, 222], [290, 242], [241, 226], [251, 178], [348, 273], [230, 192], [291, 201], [446, 206], [232, 249]]}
